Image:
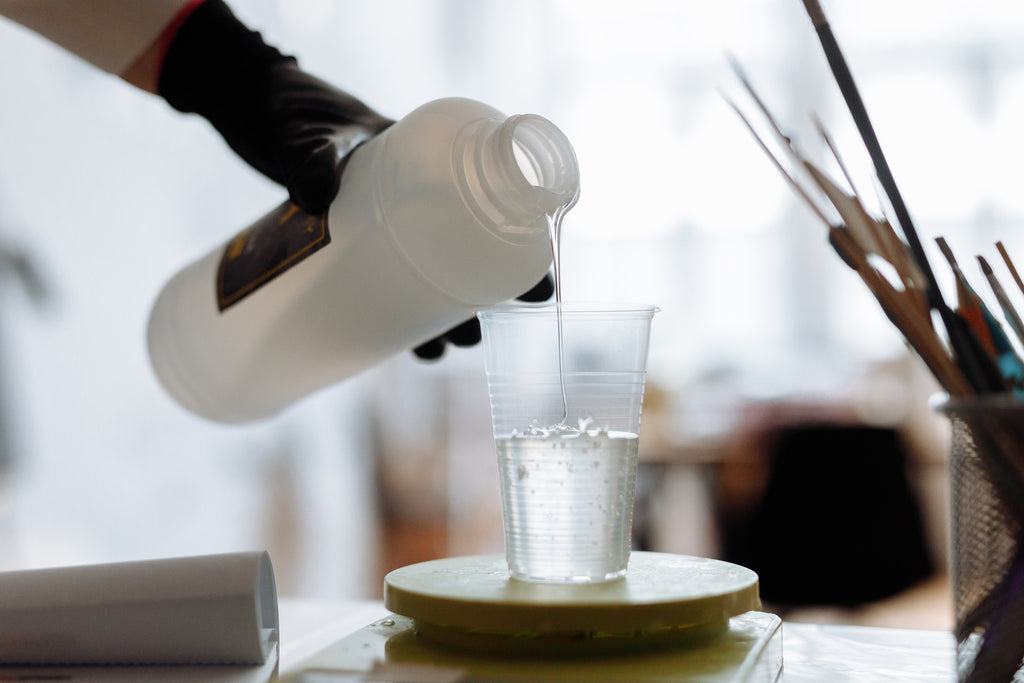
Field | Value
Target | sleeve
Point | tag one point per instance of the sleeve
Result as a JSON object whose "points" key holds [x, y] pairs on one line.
{"points": [[109, 34]]}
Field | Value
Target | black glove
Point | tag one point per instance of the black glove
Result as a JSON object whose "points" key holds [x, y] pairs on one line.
{"points": [[289, 125], [468, 333]]}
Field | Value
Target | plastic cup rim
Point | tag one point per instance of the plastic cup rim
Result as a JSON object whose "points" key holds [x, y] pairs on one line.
{"points": [[574, 308]]}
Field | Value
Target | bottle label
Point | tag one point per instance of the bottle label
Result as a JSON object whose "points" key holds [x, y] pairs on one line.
{"points": [[267, 248]]}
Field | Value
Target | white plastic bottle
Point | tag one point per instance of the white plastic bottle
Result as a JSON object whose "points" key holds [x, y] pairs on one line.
{"points": [[442, 214]]}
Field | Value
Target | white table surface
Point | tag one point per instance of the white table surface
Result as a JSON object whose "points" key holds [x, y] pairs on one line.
{"points": [[811, 652]]}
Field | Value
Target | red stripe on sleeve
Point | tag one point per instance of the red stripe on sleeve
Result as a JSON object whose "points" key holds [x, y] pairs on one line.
{"points": [[169, 33]]}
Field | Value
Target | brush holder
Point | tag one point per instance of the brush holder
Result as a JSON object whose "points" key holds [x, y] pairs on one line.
{"points": [[987, 521]]}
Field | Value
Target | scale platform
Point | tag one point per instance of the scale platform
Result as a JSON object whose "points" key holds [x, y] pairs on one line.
{"points": [[672, 618]]}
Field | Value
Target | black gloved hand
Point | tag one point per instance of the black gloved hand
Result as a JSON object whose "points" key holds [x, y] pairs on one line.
{"points": [[468, 332], [289, 125]]}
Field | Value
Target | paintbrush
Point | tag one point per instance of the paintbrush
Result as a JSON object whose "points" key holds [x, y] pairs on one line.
{"points": [[862, 228], [969, 305], [976, 363], [905, 308], [797, 187], [848, 87], [888, 244], [973, 309], [873, 236], [904, 314], [1010, 266], [1009, 312]]}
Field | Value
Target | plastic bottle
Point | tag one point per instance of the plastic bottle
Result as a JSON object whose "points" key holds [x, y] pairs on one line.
{"points": [[441, 215]]}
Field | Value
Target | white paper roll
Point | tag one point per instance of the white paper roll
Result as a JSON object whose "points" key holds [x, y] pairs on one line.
{"points": [[214, 609]]}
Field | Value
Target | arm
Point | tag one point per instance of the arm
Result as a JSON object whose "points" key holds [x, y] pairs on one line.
{"points": [[289, 125], [286, 123], [144, 71], [110, 34], [292, 127]]}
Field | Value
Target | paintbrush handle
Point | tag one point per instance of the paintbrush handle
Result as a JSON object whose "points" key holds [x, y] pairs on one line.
{"points": [[981, 372], [1009, 264], [977, 364], [903, 313], [859, 111], [1009, 312], [815, 12], [848, 87]]}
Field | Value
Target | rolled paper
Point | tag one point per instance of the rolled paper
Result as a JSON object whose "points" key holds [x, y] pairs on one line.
{"points": [[212, 609]]}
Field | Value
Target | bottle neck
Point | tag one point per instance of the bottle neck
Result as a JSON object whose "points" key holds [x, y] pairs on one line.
{"points": [[516, 172]]}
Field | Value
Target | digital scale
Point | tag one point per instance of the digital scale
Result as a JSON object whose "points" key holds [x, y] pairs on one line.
{"points": [[671, 618]]}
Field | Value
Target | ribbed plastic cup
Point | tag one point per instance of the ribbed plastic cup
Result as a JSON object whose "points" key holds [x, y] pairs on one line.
{"points": [[567, 468]]}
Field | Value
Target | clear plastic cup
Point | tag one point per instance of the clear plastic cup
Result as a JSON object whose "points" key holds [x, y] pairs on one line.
{"points": [[567, 452]]}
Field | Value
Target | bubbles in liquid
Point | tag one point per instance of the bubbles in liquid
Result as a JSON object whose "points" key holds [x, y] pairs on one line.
{"points": [[585, 426]]}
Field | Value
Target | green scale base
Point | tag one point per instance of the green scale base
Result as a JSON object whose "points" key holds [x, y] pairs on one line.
{"points": [[672, 618]]}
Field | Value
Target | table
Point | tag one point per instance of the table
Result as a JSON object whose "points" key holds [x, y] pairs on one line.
{"points": [[811, 652]]}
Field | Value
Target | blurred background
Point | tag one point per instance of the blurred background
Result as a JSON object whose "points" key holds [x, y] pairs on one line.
{"points": [[767, 349]]}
